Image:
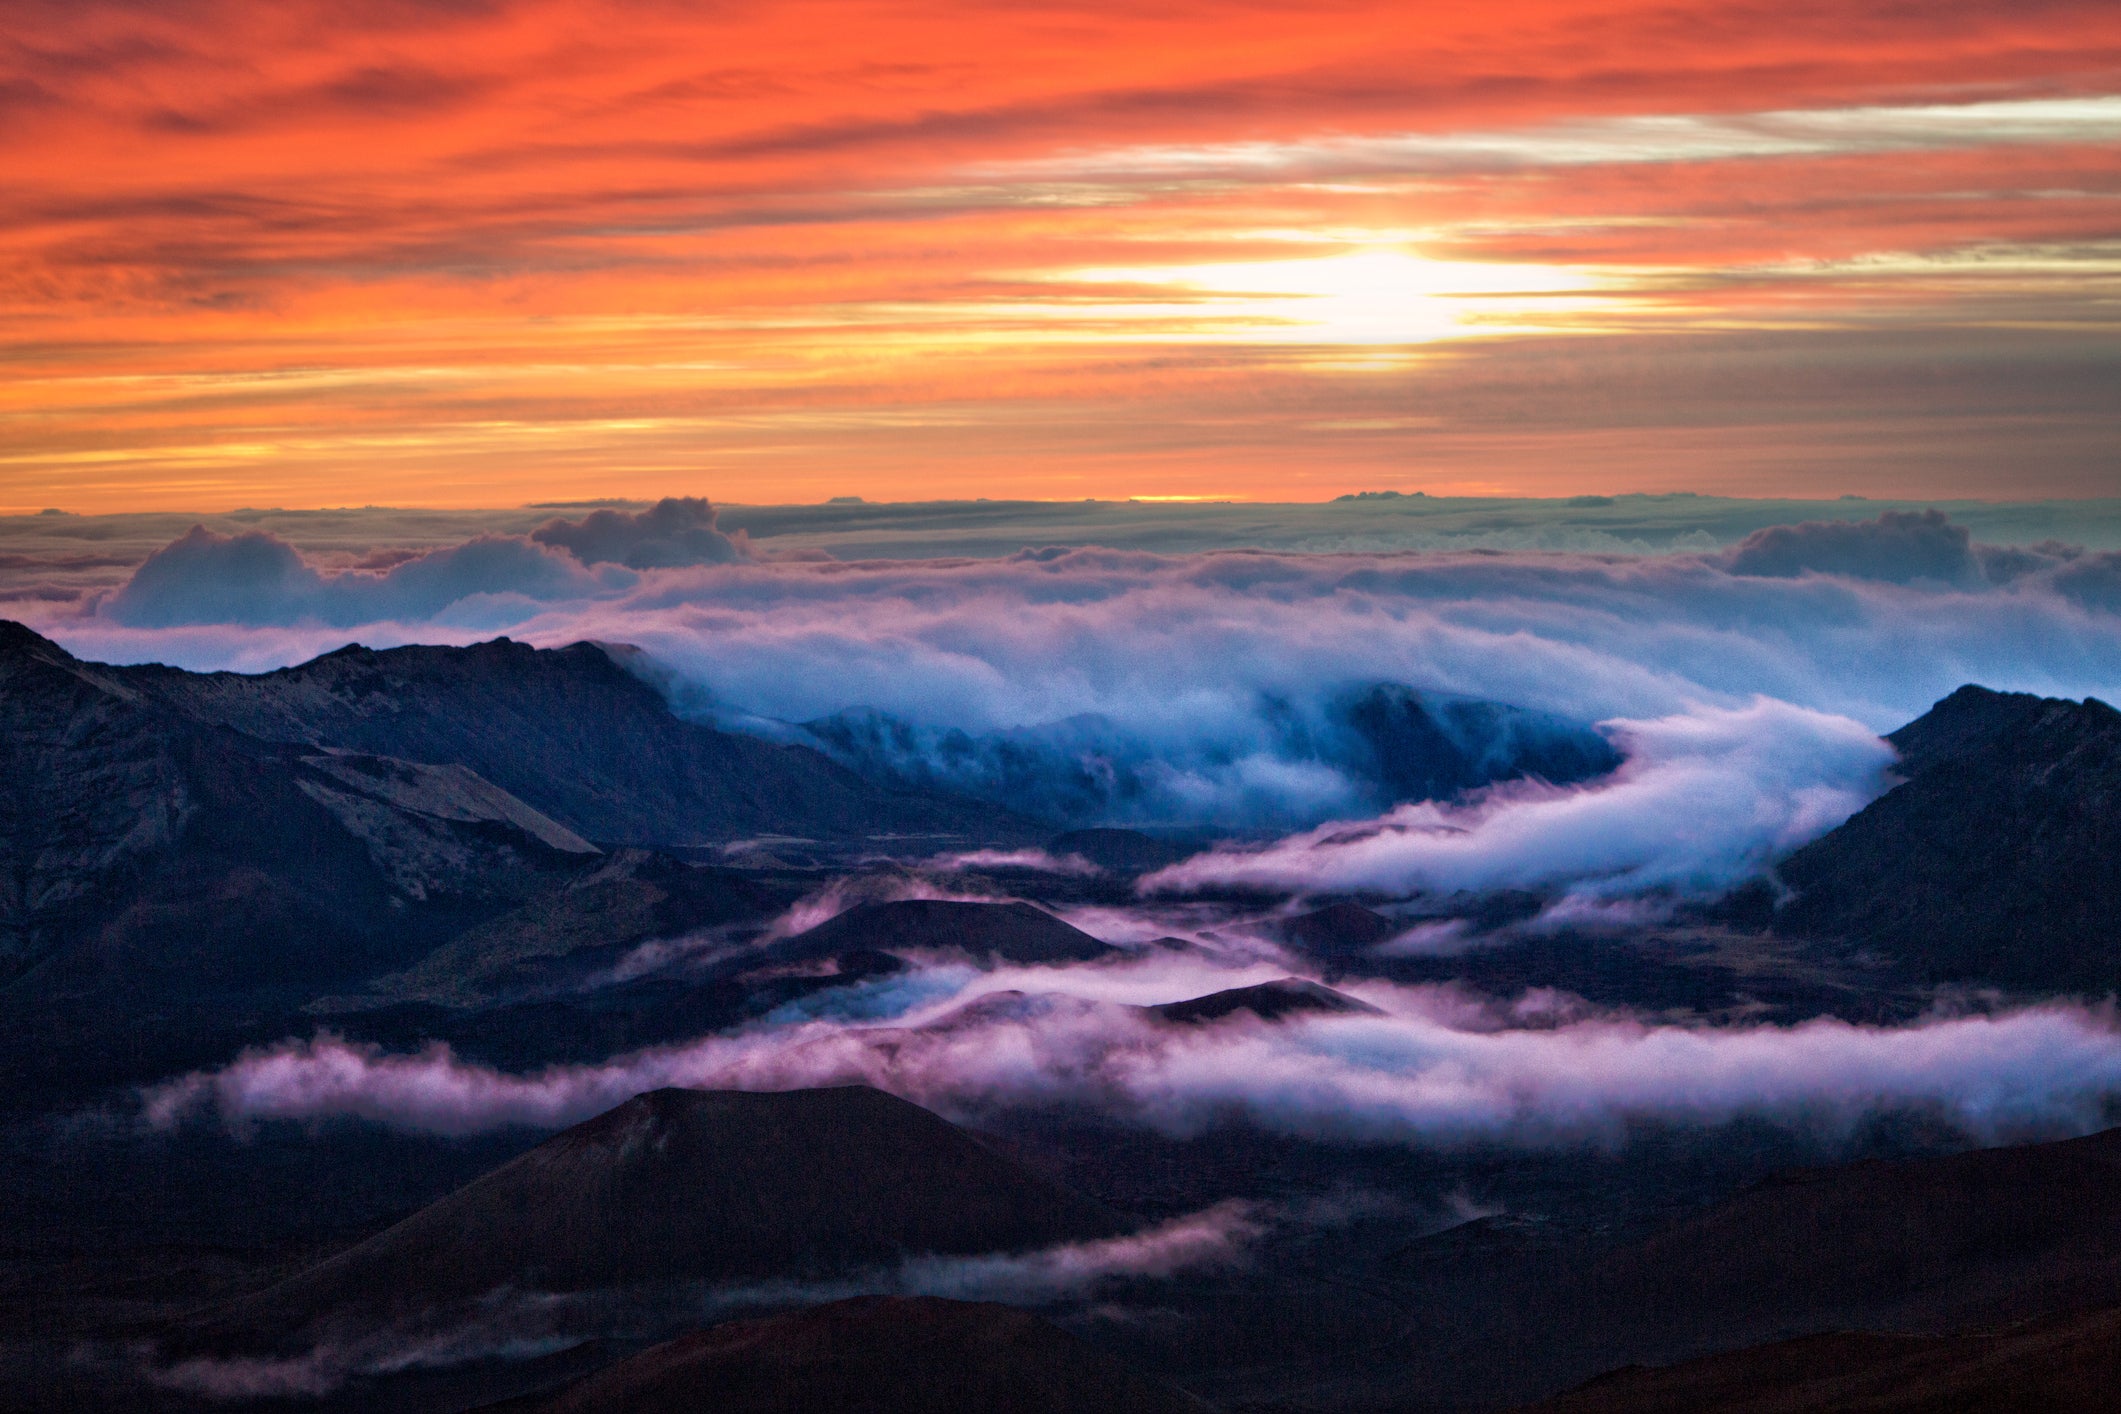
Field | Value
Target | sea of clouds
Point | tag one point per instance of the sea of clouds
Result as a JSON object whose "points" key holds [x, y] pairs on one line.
{"points": [[1746, 684], [1432, 1066]]}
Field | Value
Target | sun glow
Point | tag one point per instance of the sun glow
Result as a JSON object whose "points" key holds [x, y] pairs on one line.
{"points": [[1379, 296]]}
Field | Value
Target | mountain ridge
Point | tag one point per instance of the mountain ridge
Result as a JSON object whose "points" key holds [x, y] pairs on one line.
{"points": [[1996, 861]]}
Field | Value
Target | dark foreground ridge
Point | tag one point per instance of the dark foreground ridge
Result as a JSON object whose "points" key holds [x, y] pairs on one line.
{"points": [[871, 1355], [2065, 1365], [1998, 861], [693, 1186], [1919, 1244]]}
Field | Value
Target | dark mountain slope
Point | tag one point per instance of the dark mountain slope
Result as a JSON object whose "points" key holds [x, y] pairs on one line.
{"points": [[145, 850], [547, 944], [872, 1355], [690, 1186], [571, 731], [1999, 859], [2064, 1365], [1921, 1244]]}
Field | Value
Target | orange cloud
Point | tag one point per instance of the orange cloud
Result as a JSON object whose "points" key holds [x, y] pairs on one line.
{"points": [[503, 250]]}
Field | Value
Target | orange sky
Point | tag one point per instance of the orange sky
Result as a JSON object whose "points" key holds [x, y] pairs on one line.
{"points": [[489, 251]]}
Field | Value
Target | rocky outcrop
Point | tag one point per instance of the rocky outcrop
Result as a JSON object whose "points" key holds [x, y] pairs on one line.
{"points": [[1997, 861]]}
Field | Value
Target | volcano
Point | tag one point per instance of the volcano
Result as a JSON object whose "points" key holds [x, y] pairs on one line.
{"points": [[694, 1186]]}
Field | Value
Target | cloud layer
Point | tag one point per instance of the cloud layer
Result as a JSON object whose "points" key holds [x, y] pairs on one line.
{"points": [[1433, 1069], [1702, 802], [1210, 685]]}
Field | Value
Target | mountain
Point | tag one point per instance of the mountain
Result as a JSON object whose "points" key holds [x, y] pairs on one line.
{"points": [[1997, 861], [1269, 1001], [145, 848], [684, 1186], [986, 932], [2063, 1365], [1430, 746], [871, 1355], [572, 731]]}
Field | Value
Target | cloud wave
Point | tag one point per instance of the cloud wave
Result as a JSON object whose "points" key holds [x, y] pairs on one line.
{"points": [[1433, 1069], [1702, 802]]}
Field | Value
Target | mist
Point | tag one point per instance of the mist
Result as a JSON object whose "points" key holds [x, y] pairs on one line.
{"points": [[1437, 1068], [1213, 689]]}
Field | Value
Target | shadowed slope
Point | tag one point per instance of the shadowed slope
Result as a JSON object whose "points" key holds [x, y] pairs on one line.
{"points": [[573, 732], [2066, 1365], [697, 1186], [144, 846], [872, 1355], [1919, 1244], [1999, 860]]}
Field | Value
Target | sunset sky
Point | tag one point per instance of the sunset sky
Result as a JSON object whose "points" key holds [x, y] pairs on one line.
{"points": [[484, 252]]}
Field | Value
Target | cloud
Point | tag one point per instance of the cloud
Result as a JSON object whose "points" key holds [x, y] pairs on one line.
{"points": [[1213, 1237], [1904, 547], [1434, 1069], [255, 578], [1037, 860], [675, 531], [1209, 688], [1704, 800]]}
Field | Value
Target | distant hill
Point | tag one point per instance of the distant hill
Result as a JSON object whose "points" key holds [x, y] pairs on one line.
{"points": [[986, 932], [871, 1355], [685, 1186], [1997, 861], [1269, 1001]]}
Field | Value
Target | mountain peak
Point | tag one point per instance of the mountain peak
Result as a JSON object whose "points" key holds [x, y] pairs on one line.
{"points": [[1269, 1001], [20, 639], [679, 1185], [1975, 719], [1994, 861]]}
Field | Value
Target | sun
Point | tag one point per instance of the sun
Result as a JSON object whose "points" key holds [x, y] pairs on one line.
{"points": [[1370, 296]]}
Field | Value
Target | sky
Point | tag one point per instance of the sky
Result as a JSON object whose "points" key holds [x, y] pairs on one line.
{"points": [[488, 252]]}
